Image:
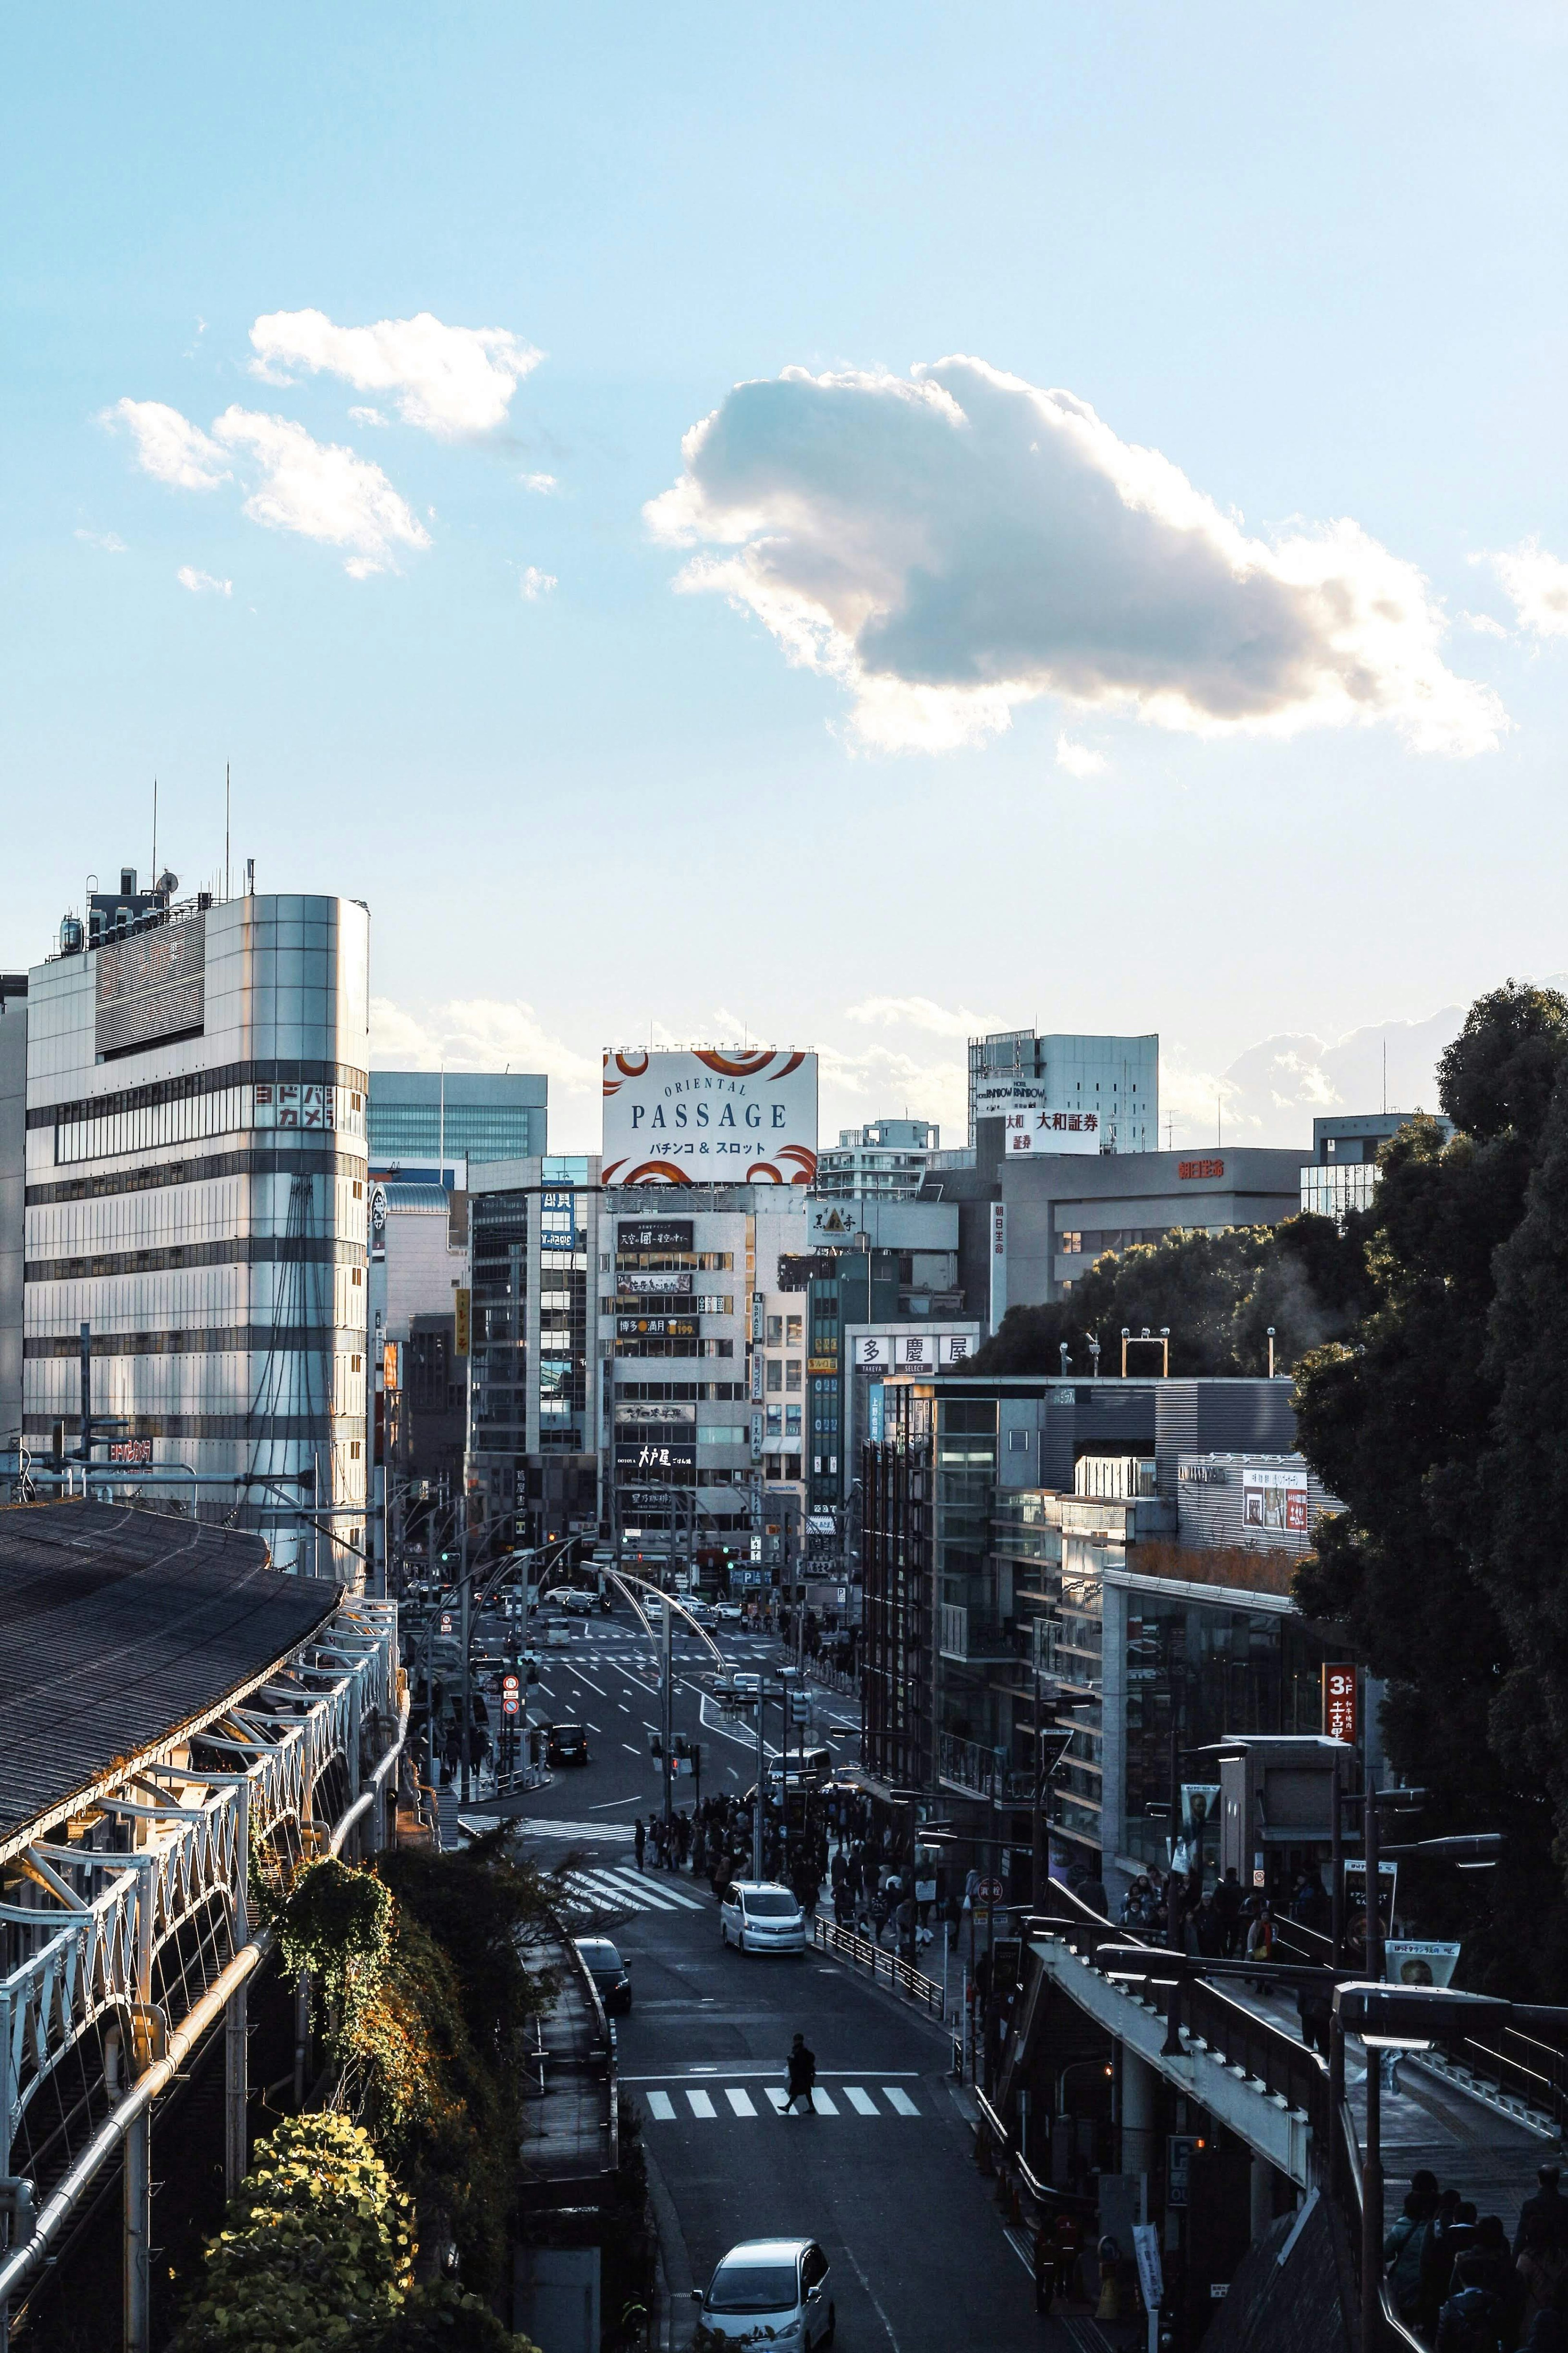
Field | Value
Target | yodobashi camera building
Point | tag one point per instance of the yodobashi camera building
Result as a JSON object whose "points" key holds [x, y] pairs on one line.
{"points": [[715, 1115], [195, 1165]]}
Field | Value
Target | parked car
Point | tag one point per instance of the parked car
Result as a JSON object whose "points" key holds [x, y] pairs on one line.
{"points": [[746, 1685], [578, 1604], [758, 1916], [609, 1971], [770, 2290], [730, 1612], [566, 1744]]}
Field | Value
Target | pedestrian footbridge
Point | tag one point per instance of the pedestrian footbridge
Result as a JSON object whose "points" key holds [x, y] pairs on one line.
{"points": [[172, 1710]]}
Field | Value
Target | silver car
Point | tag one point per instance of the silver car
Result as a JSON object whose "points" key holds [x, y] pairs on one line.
{"points": [[772, 2292], [757, 1915]]}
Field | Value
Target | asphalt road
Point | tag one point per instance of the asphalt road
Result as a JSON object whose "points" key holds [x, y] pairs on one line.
{"points": [[882, 2172]]}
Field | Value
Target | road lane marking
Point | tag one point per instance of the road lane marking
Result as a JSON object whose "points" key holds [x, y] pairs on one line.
{"points": [[860, 2100], [639, 1885], [876, 2307], [601, 1884], [778, 2095], [629, 1749], [821, 2103], [741, 2102], [662, 2108], [578, 1676], [900, 2102], [699, 2104]]}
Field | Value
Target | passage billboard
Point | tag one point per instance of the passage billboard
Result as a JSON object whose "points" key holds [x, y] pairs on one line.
{"points": [[710, 1117]]}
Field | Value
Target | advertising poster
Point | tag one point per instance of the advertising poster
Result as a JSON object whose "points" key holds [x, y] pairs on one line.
{"points": [[1416, 1961], [1274, 1500], [1004, 1091], [1042, 1128], [1200, 1807], [710, 1117], [1355, 1891]]}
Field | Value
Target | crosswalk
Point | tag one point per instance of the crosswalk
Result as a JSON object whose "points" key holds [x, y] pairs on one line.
{"points": [[598, 1892], [716, 2102]]}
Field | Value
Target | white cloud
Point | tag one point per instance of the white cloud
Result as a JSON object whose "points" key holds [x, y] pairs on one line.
{"points": [[367, 417], [1483, 625], [1536, 585], [1077, 759], [168, 446], [920, 1013], [953, 543], [479, 1033], [202, 584], [535, 584], [108, 540], [322, 490], [545, 484], [451, 381]]}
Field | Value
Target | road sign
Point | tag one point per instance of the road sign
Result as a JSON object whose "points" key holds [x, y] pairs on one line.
{"points": [[509, 1705], [990, 1891], [1180, 2149], [446, 1622], [509, 1683]]}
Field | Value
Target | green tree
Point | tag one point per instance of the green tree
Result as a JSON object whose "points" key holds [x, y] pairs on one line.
{"points": [[1216, 1293], [1401, 1425], [316, 2243]]}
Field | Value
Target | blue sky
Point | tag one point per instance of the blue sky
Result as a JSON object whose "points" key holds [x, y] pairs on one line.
{"points": [[1312, 258]]}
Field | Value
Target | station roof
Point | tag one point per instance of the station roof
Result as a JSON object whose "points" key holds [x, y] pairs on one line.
{"points": [[120, 1631]]}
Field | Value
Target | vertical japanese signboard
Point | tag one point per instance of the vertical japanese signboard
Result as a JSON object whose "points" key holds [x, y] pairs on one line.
{"points": [[1340, 1704]]}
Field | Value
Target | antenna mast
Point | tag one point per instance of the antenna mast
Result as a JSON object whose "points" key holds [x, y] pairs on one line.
{"points": [[225, 829], [155, 833]]}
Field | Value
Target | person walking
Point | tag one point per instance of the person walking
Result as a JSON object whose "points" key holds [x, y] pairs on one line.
{"points": [[640, 1841], [800, 2075]]}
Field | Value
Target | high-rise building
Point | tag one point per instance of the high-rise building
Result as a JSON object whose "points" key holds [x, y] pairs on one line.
{"points": [[1117, 1079], [886, 1159], [13, 1196], [430, 1119], [196, 1197]]}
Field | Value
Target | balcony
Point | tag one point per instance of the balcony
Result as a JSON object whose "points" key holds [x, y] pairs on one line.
{"points": [[982, 1772], [972, 1639]]}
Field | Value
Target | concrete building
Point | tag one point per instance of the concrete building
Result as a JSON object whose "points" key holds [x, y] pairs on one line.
{"points": [[536, 1365], [196, 1170], [1342, 1173], [427, 1119], [688, 1280], [885, 1160], [13, 1197], [1110, 1559], [1118, 1079], [418, 1263]]}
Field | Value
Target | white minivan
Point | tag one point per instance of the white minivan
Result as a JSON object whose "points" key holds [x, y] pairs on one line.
{"points": [[770, 2290], [758, 1916]]}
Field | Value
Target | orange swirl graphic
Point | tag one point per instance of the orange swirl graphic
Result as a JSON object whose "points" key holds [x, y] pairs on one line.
{"points": [[736, 1066]]}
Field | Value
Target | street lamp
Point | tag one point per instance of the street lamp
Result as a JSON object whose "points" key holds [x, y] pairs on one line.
{"points": [[1271, 1352], [1146, 1338]]}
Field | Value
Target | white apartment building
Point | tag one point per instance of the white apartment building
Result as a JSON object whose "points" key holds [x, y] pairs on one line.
{"points": [[885, 1160]]}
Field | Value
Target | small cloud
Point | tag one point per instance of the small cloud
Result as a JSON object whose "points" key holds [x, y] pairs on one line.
{"points": [[321, 490], [1536, 585], [536, 583], [203, 584], [200, 326], [367, 417], [1077, 759], [451, 381], [110, 541], [168, 446], [920, 1013], [1483, 625], [545, 484]]}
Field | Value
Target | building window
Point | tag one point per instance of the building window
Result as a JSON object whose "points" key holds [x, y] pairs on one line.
{"points": [[1069, 1244], [776, 1422], [775, 1373], [775, 1330], [792, 1373], [793, 1331], [792, 1421]]}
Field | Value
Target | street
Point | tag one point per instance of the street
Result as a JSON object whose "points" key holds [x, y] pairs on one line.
{"points": [[881, 2172]]}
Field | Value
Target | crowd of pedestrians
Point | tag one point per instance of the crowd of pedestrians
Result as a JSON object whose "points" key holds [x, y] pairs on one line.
{"points": [[1457, 2281]]}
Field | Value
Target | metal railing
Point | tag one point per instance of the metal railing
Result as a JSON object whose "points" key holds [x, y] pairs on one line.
{"points": [[988, 1772], [887, 1968]]}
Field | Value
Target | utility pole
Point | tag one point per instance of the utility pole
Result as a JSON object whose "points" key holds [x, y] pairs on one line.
{"points": [[757, 1804], [667, 1710], [1372, 2156], [86, 1448]]}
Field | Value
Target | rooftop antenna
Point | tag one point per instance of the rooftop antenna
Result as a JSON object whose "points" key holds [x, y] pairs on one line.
{"points": [[441, 1133], [156, 841], [1385, 1074], [225, 829]]}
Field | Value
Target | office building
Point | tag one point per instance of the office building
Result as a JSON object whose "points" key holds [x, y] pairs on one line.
{"points": [[430, 1120], [688, 1280], [418, 1264], [1110, 1559], [535, 1365], [196, 1170], [1342, 1173], [1116, 1080], [884, 1160]]}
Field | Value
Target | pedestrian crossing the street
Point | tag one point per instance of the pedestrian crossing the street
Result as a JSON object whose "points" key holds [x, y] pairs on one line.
{"points": [[724, 2103]]}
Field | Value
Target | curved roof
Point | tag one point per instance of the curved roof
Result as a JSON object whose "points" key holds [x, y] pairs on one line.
{"points": [[120, 1630]]}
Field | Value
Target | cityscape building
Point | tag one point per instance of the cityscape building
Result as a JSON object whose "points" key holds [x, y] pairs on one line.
{"points": [[1343, 1172], [884, 1159], [430, 1120], [1116, 1079], [13, 1197], [1106, 1559], [197, 1203]]}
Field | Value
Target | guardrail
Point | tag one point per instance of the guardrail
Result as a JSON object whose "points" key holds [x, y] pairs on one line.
{"points": [[888, 1969]]}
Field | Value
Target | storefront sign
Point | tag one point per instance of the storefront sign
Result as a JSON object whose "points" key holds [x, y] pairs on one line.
{"points": [[655, 1327], [1045, 1129], [462, 1304], [1274, 1499], [712, 1115], [995, 1096], [653, 1234], [1190, 1170], [1340, 1704], [131, 1449], [656, 1458]]}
